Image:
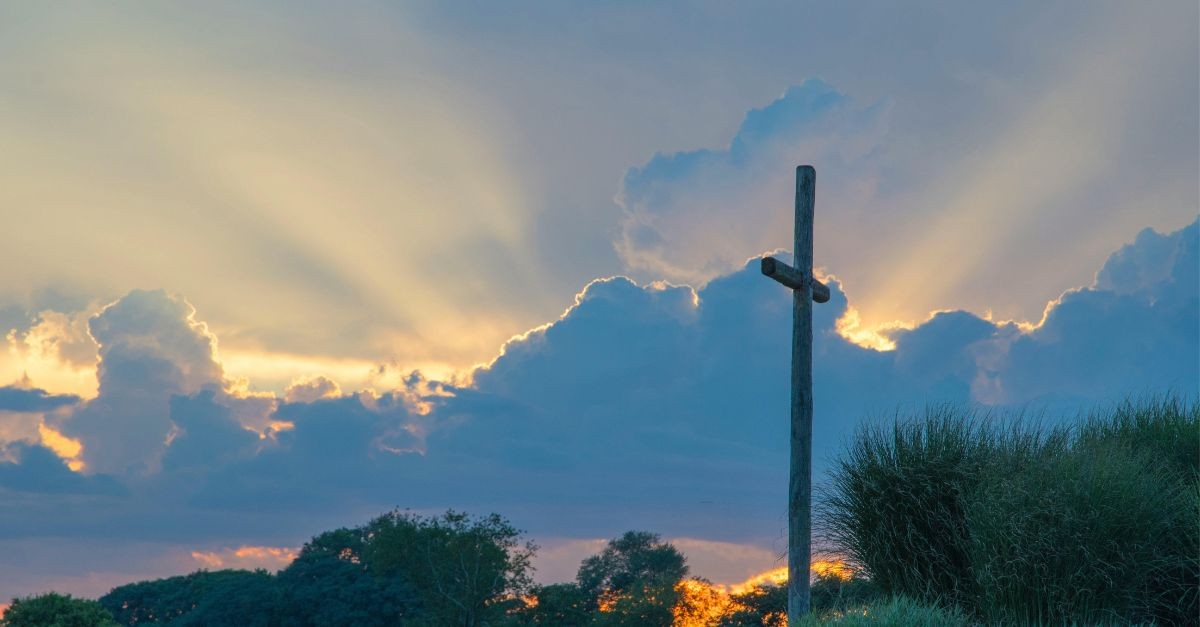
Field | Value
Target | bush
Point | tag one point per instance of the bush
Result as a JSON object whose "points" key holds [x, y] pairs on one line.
{"points": [[1015, 523], [898, 499]]}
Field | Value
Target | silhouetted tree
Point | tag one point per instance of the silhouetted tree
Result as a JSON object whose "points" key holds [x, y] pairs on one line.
{"points": [[557, 605], [215, 599], [330, 583], [466, 571], [632, 581], [56, 610]]}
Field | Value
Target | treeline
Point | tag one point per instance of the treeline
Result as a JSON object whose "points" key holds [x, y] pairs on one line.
{"points": [[409, 570], [952, 518]]}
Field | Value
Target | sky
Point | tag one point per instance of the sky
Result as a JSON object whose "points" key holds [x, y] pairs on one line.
{"points": [[273, 268]]}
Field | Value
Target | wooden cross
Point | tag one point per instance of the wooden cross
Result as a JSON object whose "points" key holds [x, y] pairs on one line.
{"points": [[805, 289]]}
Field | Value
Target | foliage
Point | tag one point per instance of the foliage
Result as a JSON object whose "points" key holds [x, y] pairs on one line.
{"points": [[217, 598], [466, 571], [1163, 428], [700, 604], [834, 593], [1011, 522], [557, 605], [897, 502], [330, 583], [955, 517], [56, 610], [761, 606], [893, 612], [633, 580], [1106, 535]]}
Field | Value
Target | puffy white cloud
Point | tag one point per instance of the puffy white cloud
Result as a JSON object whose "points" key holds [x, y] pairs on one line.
{"points": [[692, 216], [309, 389], [150, 349]]}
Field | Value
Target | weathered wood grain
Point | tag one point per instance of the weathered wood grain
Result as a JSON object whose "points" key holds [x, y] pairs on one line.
{"points": [[790, 277]]}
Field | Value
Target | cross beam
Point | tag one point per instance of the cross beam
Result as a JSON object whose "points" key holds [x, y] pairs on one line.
{"points": [[805, 289], [790, 277]]}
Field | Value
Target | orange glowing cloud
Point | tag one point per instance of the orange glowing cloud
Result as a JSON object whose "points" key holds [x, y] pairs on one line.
{"points": [[248, 557], [69, 449]]}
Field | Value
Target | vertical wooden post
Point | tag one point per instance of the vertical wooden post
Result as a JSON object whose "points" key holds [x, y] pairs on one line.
{"points": [[800, 483]]}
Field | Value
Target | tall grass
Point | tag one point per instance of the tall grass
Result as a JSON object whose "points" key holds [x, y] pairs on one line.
{"points": [[1013, 522], [893, 612]]}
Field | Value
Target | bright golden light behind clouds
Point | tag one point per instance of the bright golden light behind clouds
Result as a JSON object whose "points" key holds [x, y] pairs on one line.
{"points": [[361, 215], [398, 185]]}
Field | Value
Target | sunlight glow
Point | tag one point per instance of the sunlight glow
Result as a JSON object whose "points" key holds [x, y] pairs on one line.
{"points": [[851, 328], [702, 603], [57, 354], [69, 449]]}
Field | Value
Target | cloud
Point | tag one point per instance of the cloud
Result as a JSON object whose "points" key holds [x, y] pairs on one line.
{"points": [[1153, 261], [222, 186], [309, 389], [54, 348], [653, 406], [334, 451], [670, 404], [1135, 330], [26, 399], [207, 434], [692, 216], [151, 348], [38, 469], [271, 558]]}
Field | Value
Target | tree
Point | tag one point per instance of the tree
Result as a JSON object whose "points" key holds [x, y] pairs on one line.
{"points": [[556, 605], [633, 580], [56, 610], [213, 599], [330, 583], [466, 571], [761, 606]]}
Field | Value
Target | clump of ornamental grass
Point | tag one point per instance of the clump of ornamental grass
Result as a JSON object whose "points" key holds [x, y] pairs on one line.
{"points": [[1108, 531], [898, 498], [1014, 523]]}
